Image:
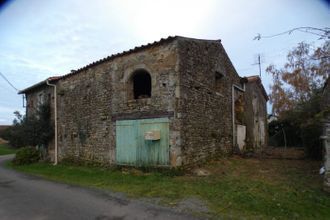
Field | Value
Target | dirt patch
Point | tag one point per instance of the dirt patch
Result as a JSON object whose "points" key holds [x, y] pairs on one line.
{"points": [[201, 172]]}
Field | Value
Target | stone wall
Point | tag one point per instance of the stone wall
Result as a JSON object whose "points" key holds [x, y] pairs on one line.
{"points": [[205, 110], [326, 134], [255, 110], [84, 113], [90, 103], [38, 96], [326, 142]]}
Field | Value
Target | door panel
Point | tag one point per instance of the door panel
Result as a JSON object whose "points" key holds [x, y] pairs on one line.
{"points": [[126, 139], [133, 149], [153, 152]]}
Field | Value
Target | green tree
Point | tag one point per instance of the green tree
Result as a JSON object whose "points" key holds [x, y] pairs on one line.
{"points": [[35, 130]]}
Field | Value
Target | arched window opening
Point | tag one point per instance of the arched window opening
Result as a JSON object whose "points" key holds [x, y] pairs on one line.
{"points": [[141, 84]]}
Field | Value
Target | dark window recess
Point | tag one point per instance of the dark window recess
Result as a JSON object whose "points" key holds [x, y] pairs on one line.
{"points": [[142, 84], [218, 75]]}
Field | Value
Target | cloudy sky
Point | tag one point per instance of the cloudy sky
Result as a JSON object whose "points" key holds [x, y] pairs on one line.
{"points": [[41, 38]]}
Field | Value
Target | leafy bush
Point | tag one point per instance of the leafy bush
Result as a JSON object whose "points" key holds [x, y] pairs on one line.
{"points": [[26, 155], [5, 133], [277, 130], [311, 139], [302, 126], [35, 130]]}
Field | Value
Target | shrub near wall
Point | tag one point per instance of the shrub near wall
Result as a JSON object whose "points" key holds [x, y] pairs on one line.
{"points": [[302, 126], [26, 155], [35, 130]]}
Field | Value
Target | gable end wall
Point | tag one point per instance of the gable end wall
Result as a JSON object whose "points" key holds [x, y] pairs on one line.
{"points": [[205, 103]]}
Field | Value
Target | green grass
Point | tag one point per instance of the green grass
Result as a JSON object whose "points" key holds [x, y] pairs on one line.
{"points": [[5, 149], [249, 188]]}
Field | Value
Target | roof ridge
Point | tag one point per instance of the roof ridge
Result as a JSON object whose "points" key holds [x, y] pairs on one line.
{"points": [[110, 57], [125, 52]]}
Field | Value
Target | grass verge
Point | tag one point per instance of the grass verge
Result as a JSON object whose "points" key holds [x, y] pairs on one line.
{"points": [[248, 188], [6, 149]]}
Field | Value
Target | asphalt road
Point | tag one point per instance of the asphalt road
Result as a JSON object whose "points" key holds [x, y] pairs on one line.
{"points": [[26, 197]]}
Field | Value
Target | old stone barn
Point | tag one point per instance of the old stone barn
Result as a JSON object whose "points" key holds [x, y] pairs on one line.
{"points": [[170, 103]]}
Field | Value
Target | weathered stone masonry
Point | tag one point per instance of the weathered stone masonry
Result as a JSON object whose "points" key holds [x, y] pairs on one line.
{"points": [[255, 111], [326, 134], [84, 110], [91, 101], [205, 109], [191, 85]]}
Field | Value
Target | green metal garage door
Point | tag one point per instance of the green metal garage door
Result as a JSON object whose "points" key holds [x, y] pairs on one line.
{"points": [[142, 142]]}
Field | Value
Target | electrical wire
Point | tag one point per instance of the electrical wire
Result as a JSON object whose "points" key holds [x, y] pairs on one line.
{"points": [[8, 81], [322, 32]]}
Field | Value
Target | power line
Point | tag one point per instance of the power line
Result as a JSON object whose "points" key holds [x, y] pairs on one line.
{"points": [[8, 81], [323, 33]]}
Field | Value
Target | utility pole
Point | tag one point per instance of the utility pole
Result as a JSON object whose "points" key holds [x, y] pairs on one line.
{"points": [[259, 64]]}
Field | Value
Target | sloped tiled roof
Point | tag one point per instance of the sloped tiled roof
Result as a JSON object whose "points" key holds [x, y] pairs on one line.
{"points": [[111, 57], [44, 82]]}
